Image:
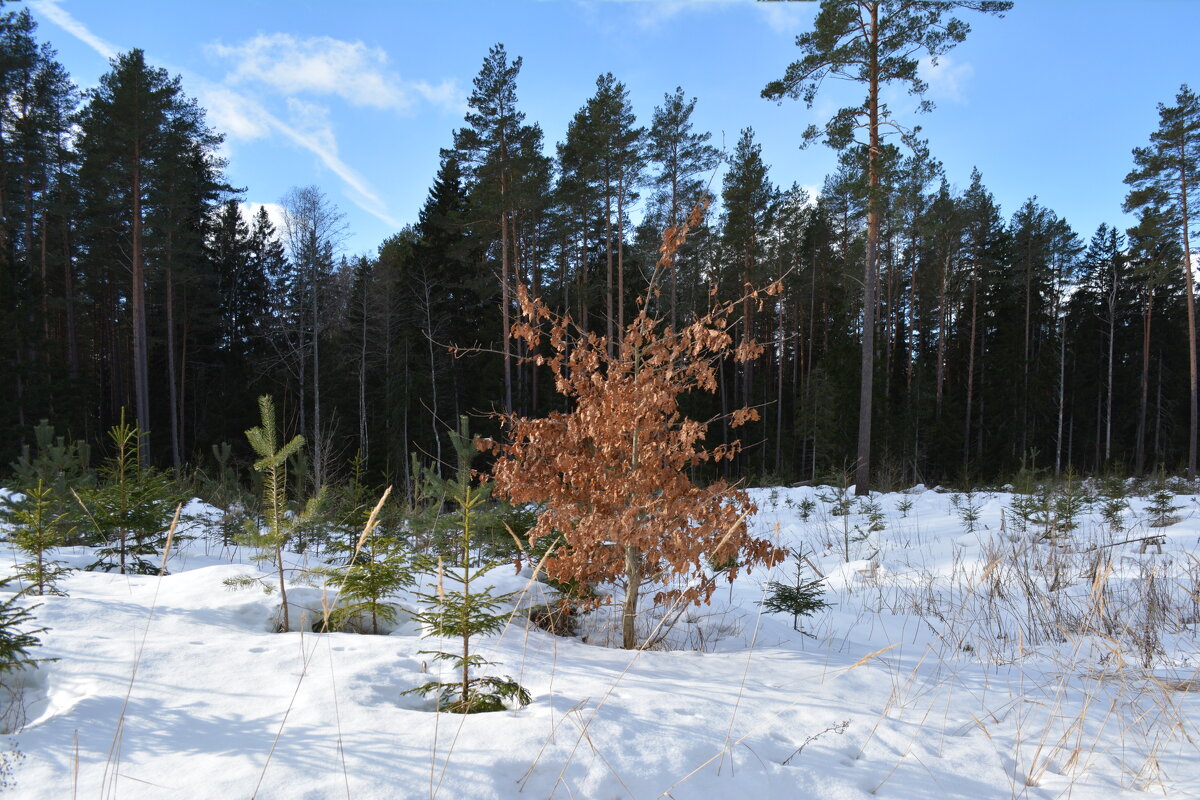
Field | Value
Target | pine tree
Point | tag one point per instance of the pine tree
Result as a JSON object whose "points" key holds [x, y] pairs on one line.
{"points": [[464, 611], [137, 132], [1166, 176], [487, 149], [871, 42], [280, 524], [747, 197], [130, 509], [683, 157], [1154, 254], [40, 528], [615, 150]]}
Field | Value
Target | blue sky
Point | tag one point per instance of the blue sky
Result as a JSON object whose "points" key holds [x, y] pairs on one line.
{"points": [[357, 96]]}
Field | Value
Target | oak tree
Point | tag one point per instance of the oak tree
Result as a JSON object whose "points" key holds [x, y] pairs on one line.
{"points": [[612, 473]]}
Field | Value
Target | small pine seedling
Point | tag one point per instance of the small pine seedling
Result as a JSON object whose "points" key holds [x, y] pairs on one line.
{"points": [[279, 525], [464, 613], [800, 598], [39, 529], [969, 509], [1161, 507], [1113, 504], [377, 566], [131, 509], [16, 643]]}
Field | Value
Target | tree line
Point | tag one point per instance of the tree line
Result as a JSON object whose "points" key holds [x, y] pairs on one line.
{"points": [[132, 277]]}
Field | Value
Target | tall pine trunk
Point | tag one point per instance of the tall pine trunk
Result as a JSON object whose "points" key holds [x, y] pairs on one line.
{"points": [[1140, 445], [970, 372], [1191, 313], [137, 300], [172, 389], [862, 477]]}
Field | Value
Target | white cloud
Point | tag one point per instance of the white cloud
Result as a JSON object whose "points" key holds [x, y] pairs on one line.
{"points": [[233, 114], [322, 65], [243, 118], [787, 17], [784, 16], [51, 10], [947, 79], [274, 213]]}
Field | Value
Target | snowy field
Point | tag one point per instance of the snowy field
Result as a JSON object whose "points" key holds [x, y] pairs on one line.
{"points": [[962, 658]]}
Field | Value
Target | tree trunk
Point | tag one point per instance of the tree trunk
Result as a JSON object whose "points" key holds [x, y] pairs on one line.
{"points": [[137, 299], [318, 462], [1062, 390], [940, 366], [504, 304], [779, 386], [1140, 446], [1027, 353], [633, 585], [1191, 317], [69, 296], [621, 251], [173, 394], [362, 386], [608, 261], [287, 626], [1112, 335], [437, 439], [862, 476], [672, 222], [970, 372]]}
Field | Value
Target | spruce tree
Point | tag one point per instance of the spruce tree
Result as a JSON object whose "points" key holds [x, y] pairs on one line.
{"points": [[800, 598], [53, 461], [17, 640], [37, 312], [376, 562]]}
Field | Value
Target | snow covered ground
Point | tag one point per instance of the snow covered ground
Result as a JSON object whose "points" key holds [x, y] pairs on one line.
{"points": [[955, 663]]}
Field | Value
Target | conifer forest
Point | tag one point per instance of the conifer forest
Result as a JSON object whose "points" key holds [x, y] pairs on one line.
{"points": [[133, 278], [628, 464]]}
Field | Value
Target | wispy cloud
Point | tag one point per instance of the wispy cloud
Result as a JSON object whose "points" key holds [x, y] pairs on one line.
{"points": [[53, 11], [322, 65], [947, 79], [242, 117], [781, 17], [308, 127]]}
